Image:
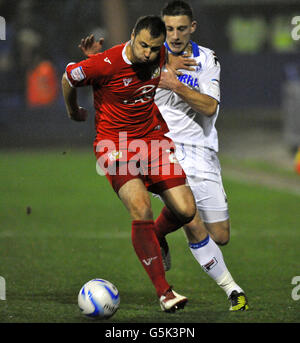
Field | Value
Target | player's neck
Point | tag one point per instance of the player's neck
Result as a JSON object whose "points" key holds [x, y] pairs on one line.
{"points": [[187, 49], [129, 53]]}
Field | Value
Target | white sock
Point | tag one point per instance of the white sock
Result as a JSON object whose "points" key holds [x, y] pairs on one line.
{"points": [[210, 257]]}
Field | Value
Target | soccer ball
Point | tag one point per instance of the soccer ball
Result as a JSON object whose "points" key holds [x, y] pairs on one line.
{"points": [[98, 298]]}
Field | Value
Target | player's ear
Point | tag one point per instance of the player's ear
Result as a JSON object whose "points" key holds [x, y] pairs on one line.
{"points": [[132, 36], [193, 26]]}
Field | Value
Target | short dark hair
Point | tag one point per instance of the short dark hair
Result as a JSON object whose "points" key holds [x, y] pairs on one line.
{"points": [[175, 8], [153, 23]]}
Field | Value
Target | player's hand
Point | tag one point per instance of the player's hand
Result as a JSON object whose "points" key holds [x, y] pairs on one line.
{"points": [[182, 62], [168, 79], [80, 114], [89, 46]]}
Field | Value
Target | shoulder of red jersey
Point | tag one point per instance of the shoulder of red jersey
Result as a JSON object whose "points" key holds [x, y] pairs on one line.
{"points": [[95, 67], [112, 57]]}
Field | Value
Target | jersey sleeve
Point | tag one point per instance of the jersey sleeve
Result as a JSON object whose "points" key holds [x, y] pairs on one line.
{"points": [[87, 72], [209, 78]]}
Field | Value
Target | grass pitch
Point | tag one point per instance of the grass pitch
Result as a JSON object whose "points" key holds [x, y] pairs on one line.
{"points": [[62, 225]]}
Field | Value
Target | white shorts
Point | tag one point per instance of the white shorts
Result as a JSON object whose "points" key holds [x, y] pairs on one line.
{"points": [[210, 198], [203, 171]]}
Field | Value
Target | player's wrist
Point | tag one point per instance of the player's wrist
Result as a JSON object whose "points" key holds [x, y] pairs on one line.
{"points": [[178, 87], [79, 115], [73, 112]]}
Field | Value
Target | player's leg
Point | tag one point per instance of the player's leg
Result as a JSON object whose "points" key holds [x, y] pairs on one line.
{"points": [[180, 201], [175, 193], [136, 199], [216, 221], [179, 209], [219, 231], [203, 248], [208, 254], [133, 193], [212, 206]]}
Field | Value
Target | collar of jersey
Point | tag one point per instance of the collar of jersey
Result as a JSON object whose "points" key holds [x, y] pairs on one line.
{"points": [[125, 58], [195, 49]]}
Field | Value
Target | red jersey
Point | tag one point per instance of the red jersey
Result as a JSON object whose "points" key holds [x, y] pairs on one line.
{"points": [[123, 92]]}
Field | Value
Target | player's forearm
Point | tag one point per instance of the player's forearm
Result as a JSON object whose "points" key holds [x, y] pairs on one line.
{"points": [[70, 97], [199, 102]]}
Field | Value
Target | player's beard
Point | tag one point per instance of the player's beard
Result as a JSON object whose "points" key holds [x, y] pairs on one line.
{"points": [[144, 69], [136, 59]]}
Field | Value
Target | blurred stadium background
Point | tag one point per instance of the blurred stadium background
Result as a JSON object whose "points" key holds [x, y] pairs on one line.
{"points": [[259, 129], [252, 38]]}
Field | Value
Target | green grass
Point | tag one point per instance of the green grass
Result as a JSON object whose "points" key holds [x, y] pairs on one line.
{"points": [[78, 230], [260, 166]]}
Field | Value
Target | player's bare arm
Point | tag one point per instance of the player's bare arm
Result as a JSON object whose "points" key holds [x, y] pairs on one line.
{"points": [[199, 102], [89, 46], [74, 111]]}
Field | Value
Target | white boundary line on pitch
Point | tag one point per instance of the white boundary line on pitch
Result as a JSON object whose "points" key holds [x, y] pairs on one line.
{"points": [[266, 181]]}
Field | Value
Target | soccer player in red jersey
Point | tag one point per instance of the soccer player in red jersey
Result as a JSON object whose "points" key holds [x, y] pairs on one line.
{"points": [[177, 112], [130, 145]]}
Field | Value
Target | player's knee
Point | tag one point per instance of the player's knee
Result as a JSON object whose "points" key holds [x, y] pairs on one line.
{"points": [[141, 211], [187, 214], [222, 239], [222, 236]]}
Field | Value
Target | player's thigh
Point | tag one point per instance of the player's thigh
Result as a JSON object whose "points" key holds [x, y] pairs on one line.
{"points": [[211, 199], [136, 199], [211, 202], [180, 201]]}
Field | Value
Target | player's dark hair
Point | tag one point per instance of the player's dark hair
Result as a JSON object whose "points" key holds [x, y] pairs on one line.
{"points": [[153, 23], [175, 8]]}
